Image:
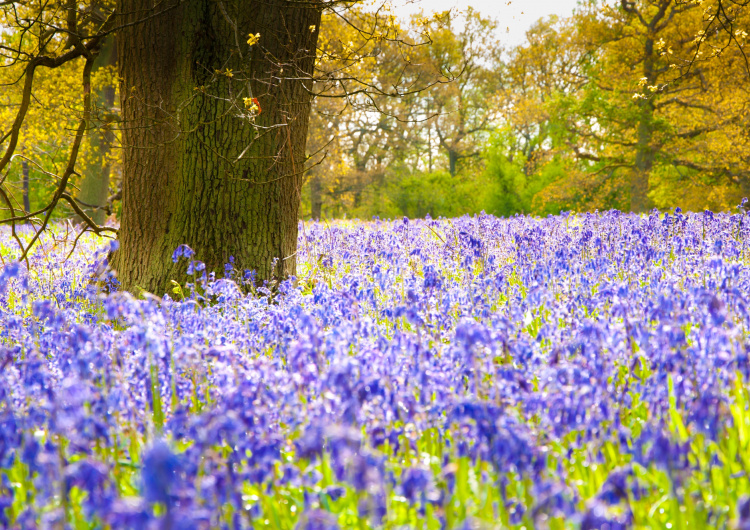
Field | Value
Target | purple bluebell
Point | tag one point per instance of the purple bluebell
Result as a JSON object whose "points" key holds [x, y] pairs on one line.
{"points": [[159, 473]]}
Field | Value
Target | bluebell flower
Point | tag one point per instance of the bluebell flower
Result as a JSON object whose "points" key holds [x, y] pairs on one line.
{"points": [[92, 477], [310, 444], [10, 438], [8, 271], [415, 481], [182, 251], [742, 521], [600, 517], [229, 268], [552, 500], [159, 472], [6, 500], [334, 492], [317, 520], [615, 488]]}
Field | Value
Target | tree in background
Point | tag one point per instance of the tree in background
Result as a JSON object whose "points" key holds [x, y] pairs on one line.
{"points": [[629, 105], [525, 153], [725, 29], [391, 162], [637, 129], [362, 133], [461, 114], [687, 120], [54, 110], [44, 49], [96, 187], [721, 45]]}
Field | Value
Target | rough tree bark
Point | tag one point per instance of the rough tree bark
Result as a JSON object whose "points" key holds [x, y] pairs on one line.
{"points": [[197, 169]]}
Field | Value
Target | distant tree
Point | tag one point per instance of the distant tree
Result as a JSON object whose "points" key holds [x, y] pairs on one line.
{"points": [[102, 163], [362, 133], [725, 29], [721, 44], [47, 53], [525, 154], [461, 113], [376, 142], [641, 119]]}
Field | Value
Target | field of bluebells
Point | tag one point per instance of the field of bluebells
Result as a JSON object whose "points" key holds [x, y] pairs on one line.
{"points": [[580, 371]]}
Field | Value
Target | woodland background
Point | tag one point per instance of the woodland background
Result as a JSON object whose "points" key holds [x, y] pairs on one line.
{"points": [[568, 121]]}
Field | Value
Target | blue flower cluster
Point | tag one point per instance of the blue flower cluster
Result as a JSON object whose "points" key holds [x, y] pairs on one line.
{"points": [[579, 371]]}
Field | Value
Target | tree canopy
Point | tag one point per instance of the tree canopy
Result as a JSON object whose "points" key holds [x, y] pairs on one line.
{"points": [[636, 100]]}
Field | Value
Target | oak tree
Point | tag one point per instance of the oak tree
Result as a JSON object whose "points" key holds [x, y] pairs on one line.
{"points": [[215, 100]]}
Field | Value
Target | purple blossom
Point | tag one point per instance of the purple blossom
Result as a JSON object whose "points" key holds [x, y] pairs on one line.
{"points": [[521, 346], [160, 473]]}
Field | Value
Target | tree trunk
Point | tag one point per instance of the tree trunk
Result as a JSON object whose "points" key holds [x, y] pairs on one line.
{"points": [[644, 162], [429, 149], [744, 183], [316, 197], [95, 184], [645, 152], [198, 168], [452, 161], [25, 171]]}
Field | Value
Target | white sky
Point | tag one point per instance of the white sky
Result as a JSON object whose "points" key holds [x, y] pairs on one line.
{"points": [[514, 17]]}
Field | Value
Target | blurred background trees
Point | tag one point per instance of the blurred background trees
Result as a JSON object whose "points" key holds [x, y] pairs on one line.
{"points": [[52, 81], [631, 105]]}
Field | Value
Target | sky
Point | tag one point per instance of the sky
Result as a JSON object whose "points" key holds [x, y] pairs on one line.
{"points": [[514, 17]]}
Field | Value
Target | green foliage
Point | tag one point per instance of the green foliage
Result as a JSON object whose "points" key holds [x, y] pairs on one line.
{"points": [[590, 110], [41, 187], [437, 194], [517, 180]]}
